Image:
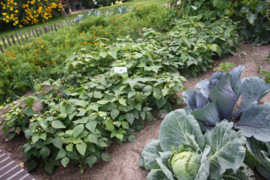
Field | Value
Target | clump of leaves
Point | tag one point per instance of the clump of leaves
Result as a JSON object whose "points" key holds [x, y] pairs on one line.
{"points": [[266, 75], [183, 152], [17, 118], [224, 67], [215, 100], [217, 97]]}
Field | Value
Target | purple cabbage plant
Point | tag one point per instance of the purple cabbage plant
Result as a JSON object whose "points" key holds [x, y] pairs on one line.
{"points": [[215, 100]]}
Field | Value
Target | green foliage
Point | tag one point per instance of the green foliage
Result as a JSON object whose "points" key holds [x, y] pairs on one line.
{"points": [[224, 67], [17, 118], [183, 152], [195, 42], [131, 23], [91, 107], [253, 15], [267, 76]]}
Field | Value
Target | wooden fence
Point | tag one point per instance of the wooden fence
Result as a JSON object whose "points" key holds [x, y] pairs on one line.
{"points": [[18, 39]]}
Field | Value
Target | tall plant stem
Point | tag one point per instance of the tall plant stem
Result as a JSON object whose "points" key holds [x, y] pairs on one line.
{"points": [[182, 8]]}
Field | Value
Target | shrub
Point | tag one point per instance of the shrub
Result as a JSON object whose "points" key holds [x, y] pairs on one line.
{"points": [[19, 13]]}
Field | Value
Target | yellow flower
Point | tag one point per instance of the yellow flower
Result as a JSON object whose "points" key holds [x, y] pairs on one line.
{"points": [[4, 14], [47, 51]]}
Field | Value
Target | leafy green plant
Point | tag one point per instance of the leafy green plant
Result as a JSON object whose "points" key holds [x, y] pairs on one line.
{"points": [[216, 99], [195, 43], [183, 152], [266, 74], [224, 67], [17, 119], [258, 156], [215, 102]]}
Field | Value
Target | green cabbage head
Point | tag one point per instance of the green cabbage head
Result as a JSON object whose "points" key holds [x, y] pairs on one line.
{"points": [[185, 163]]}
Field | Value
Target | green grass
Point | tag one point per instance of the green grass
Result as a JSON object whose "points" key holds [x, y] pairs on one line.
{"points": [[136, 2]]}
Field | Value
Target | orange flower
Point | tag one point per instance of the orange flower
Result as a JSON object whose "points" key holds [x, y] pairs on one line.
{"points": [[100, 30], [35, 62], [85, 42], [54, 62], [47, 51], [41, 65]]}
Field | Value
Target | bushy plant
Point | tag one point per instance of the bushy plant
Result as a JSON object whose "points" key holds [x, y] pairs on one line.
{"points": [[253, 15], [19, 13], [183, 152], [215, 101]]}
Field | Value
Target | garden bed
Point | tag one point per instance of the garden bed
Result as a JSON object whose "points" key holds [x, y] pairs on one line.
{"points": [[124, 159]]}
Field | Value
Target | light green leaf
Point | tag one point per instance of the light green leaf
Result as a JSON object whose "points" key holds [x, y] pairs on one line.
{"points": [[130, 118], [105, 156], [229, 153], [91, 126], [81, 148], [35, 138], [150, 154], [77, 130], [131, 94], [69, 147], [58, 124], [122, 101], [174, 129], [109, 125], [92, 138], [113, 53], [90, 160], [62, 153], [65, 161], [29, 101], [115, 113]]}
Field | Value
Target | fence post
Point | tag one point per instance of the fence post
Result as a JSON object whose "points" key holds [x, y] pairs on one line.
{"points": [[25, 36], [1, 49], [21, 37], [8, 41], [51, 28], [18, 38], [55, 27], [4, 42], [37, 32], [33, 33], [45, 30], [12, 38], [29, 33], [48, 29], [40, 31]]}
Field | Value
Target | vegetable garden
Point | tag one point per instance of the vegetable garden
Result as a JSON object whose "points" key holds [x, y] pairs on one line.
{"points": [[88, 108]]}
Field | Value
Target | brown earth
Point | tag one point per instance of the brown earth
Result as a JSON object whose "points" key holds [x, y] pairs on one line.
{"points": [[123, 165]]}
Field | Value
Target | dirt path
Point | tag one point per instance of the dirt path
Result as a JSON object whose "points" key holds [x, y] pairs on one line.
{"points": [[123, 165]]}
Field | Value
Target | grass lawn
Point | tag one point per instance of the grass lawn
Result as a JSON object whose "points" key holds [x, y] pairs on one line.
{"points": [[72, 16], [135, 2]]}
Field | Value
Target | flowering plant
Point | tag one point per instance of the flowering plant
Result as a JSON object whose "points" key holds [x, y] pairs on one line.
{"points": [[23, 12]]}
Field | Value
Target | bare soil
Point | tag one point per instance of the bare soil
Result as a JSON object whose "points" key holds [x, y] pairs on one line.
{"points": [[123, 165]]}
